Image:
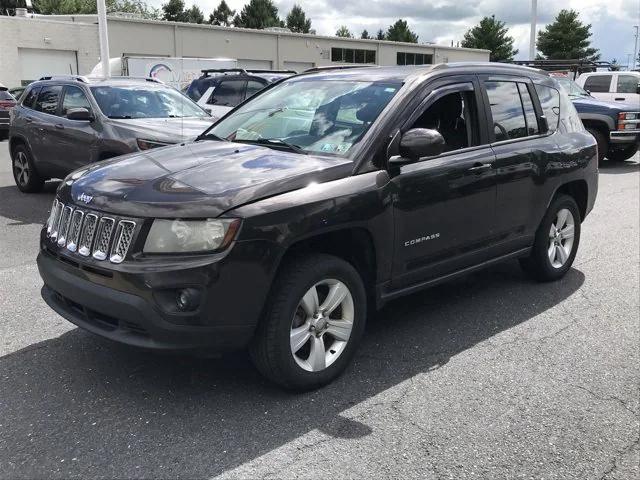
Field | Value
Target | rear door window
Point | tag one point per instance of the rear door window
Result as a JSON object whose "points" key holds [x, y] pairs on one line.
{"points": [[506, 109], [627, 84], [229, 93], [48, 99], [550, 102], [598, 83]]}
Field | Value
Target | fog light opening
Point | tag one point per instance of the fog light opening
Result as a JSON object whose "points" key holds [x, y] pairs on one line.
{"points": [[187, 299]]}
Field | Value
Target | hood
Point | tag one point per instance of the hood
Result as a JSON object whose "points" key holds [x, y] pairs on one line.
{"points": [[201, 179], [594, 104], [169, 130]]}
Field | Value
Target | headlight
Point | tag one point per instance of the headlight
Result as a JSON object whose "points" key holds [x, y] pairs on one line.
{"points": [[628, 116], [189, 236], [149, 144]]}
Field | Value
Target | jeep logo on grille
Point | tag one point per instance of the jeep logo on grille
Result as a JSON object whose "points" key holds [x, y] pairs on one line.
{"points": [[84, 198]]}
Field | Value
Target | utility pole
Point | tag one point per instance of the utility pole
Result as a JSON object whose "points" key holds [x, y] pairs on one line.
{"points": [[104, 38], [534, 21], [635, 47]]}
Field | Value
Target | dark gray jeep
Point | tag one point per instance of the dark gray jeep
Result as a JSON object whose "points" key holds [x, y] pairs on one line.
{"points": [[64, 123]]}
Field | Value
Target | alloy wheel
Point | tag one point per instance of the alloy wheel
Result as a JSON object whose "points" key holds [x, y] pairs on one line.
{"points": [[21, 168], [322, 325], [561, 238]]}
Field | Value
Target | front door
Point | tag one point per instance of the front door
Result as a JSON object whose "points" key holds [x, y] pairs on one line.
{"points": [[627, 88], [444, 206]]}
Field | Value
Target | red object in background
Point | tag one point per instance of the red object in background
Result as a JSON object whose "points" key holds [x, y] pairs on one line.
{"points": [[7, 104]]}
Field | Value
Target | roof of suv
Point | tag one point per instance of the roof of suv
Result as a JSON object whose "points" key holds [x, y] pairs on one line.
{"points": [[93, 81], [404, 73]]}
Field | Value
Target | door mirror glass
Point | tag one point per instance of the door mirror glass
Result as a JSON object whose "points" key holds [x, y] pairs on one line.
{"points": [[79, 114], [418, 143]]}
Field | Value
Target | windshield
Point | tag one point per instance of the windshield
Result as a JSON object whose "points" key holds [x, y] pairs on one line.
{"points": [[138, 101], [308, 115], [572, 88]]}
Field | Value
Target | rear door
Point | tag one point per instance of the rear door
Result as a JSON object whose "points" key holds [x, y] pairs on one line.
{"points": [[43, 118], [444, 206], [522, 154]]}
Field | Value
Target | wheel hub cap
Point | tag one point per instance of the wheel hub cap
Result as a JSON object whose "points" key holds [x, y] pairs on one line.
{"points": [[561, 238]]}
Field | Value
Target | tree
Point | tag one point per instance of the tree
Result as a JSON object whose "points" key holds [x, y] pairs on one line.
{"points": [[222, 15], [74, 7], [399, 32], [258, 14], [297, 20], [380, 35], [567, 38], [491, 34], [343, 32], [615, 66], [365, 35], [173, 11], [193, 15]]}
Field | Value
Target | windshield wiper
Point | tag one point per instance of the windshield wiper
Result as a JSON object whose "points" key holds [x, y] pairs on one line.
{"points": [[277, 142], [121, 117]]}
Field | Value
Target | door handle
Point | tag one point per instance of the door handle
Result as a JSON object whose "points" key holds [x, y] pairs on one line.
{"points": [[28, 120], [620, 99], [479, 168], [59, 126]]}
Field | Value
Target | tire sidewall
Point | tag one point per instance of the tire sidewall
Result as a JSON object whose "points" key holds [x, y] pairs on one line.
{"points": [[601, 140], [35, 183], [332, 268], [542, 238]]}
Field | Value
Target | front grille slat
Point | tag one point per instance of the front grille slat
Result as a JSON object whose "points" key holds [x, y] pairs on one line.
{"points": [[103, 238], [89, 233]]}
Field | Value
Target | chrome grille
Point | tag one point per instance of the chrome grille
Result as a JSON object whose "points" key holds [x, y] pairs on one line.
{"points": [[124, 236], [88, 231], [103, 238], [74, 230], [64, 225]]}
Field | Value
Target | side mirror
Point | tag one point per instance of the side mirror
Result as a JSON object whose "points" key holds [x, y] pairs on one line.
{"points": [[418, 143], [81, 114], [544, 124], [638, 88]]}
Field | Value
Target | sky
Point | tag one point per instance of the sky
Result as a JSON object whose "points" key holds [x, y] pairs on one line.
{"points": [[444, 21]]}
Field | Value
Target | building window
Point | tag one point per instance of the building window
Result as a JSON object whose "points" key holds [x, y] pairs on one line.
{"points": [[351, 55], [414, 58]]}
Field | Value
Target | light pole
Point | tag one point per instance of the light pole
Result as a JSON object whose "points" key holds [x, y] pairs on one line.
{"points": [[104, 38], [635, 47], [534, 21]]}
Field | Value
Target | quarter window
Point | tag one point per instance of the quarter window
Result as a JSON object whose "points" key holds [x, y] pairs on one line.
{"points": [[229, 93], [627, 84], [506, 109], [550, 102], [598, 83], [529, 111], [74, 97], [253, 87], [48, 99]]}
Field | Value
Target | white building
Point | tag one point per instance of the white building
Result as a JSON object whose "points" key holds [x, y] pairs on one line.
{"points": [[38, 45]]}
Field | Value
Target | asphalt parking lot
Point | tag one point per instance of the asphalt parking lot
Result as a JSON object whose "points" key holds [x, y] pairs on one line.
{"points": [[492, 376]]}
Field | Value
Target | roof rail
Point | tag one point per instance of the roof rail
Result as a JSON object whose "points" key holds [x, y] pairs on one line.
{"points": [[125, 77], [574, 65], [337, 67], [260, 70], [207, 71], [77, 78]]}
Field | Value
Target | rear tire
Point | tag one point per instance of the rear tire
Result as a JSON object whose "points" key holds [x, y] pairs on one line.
{"points": [[307, 339], [556, 241], [622, 154], [24, 171], [602, 141]]}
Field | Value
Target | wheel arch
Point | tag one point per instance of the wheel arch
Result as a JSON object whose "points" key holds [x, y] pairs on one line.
{"points": [[579, 191]]}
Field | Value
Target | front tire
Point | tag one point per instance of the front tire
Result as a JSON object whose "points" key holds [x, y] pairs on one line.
{"points": [[556, 241], [602, 141], [24, 171], [622, 154], [313, 322]]}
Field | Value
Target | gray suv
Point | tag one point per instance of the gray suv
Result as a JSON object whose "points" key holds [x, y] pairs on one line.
{"points": [[63, 123]]}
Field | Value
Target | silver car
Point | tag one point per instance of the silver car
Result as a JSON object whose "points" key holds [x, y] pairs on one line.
{"points": [[64, 123]]}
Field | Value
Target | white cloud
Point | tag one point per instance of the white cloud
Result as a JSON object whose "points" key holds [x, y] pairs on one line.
{"points": [[444, 21]]}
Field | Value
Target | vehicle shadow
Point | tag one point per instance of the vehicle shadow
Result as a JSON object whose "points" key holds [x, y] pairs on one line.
{"points": [[26, 208], [628, 166], [79, 406]]}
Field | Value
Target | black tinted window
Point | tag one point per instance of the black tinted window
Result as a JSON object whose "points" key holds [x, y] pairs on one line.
{"points": [[30, 97], [74, 97], [506, 109], [529, 111], [627, 84], [48, 99], [253, 87], [229, 93], [598, 83], [550, 102]]}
